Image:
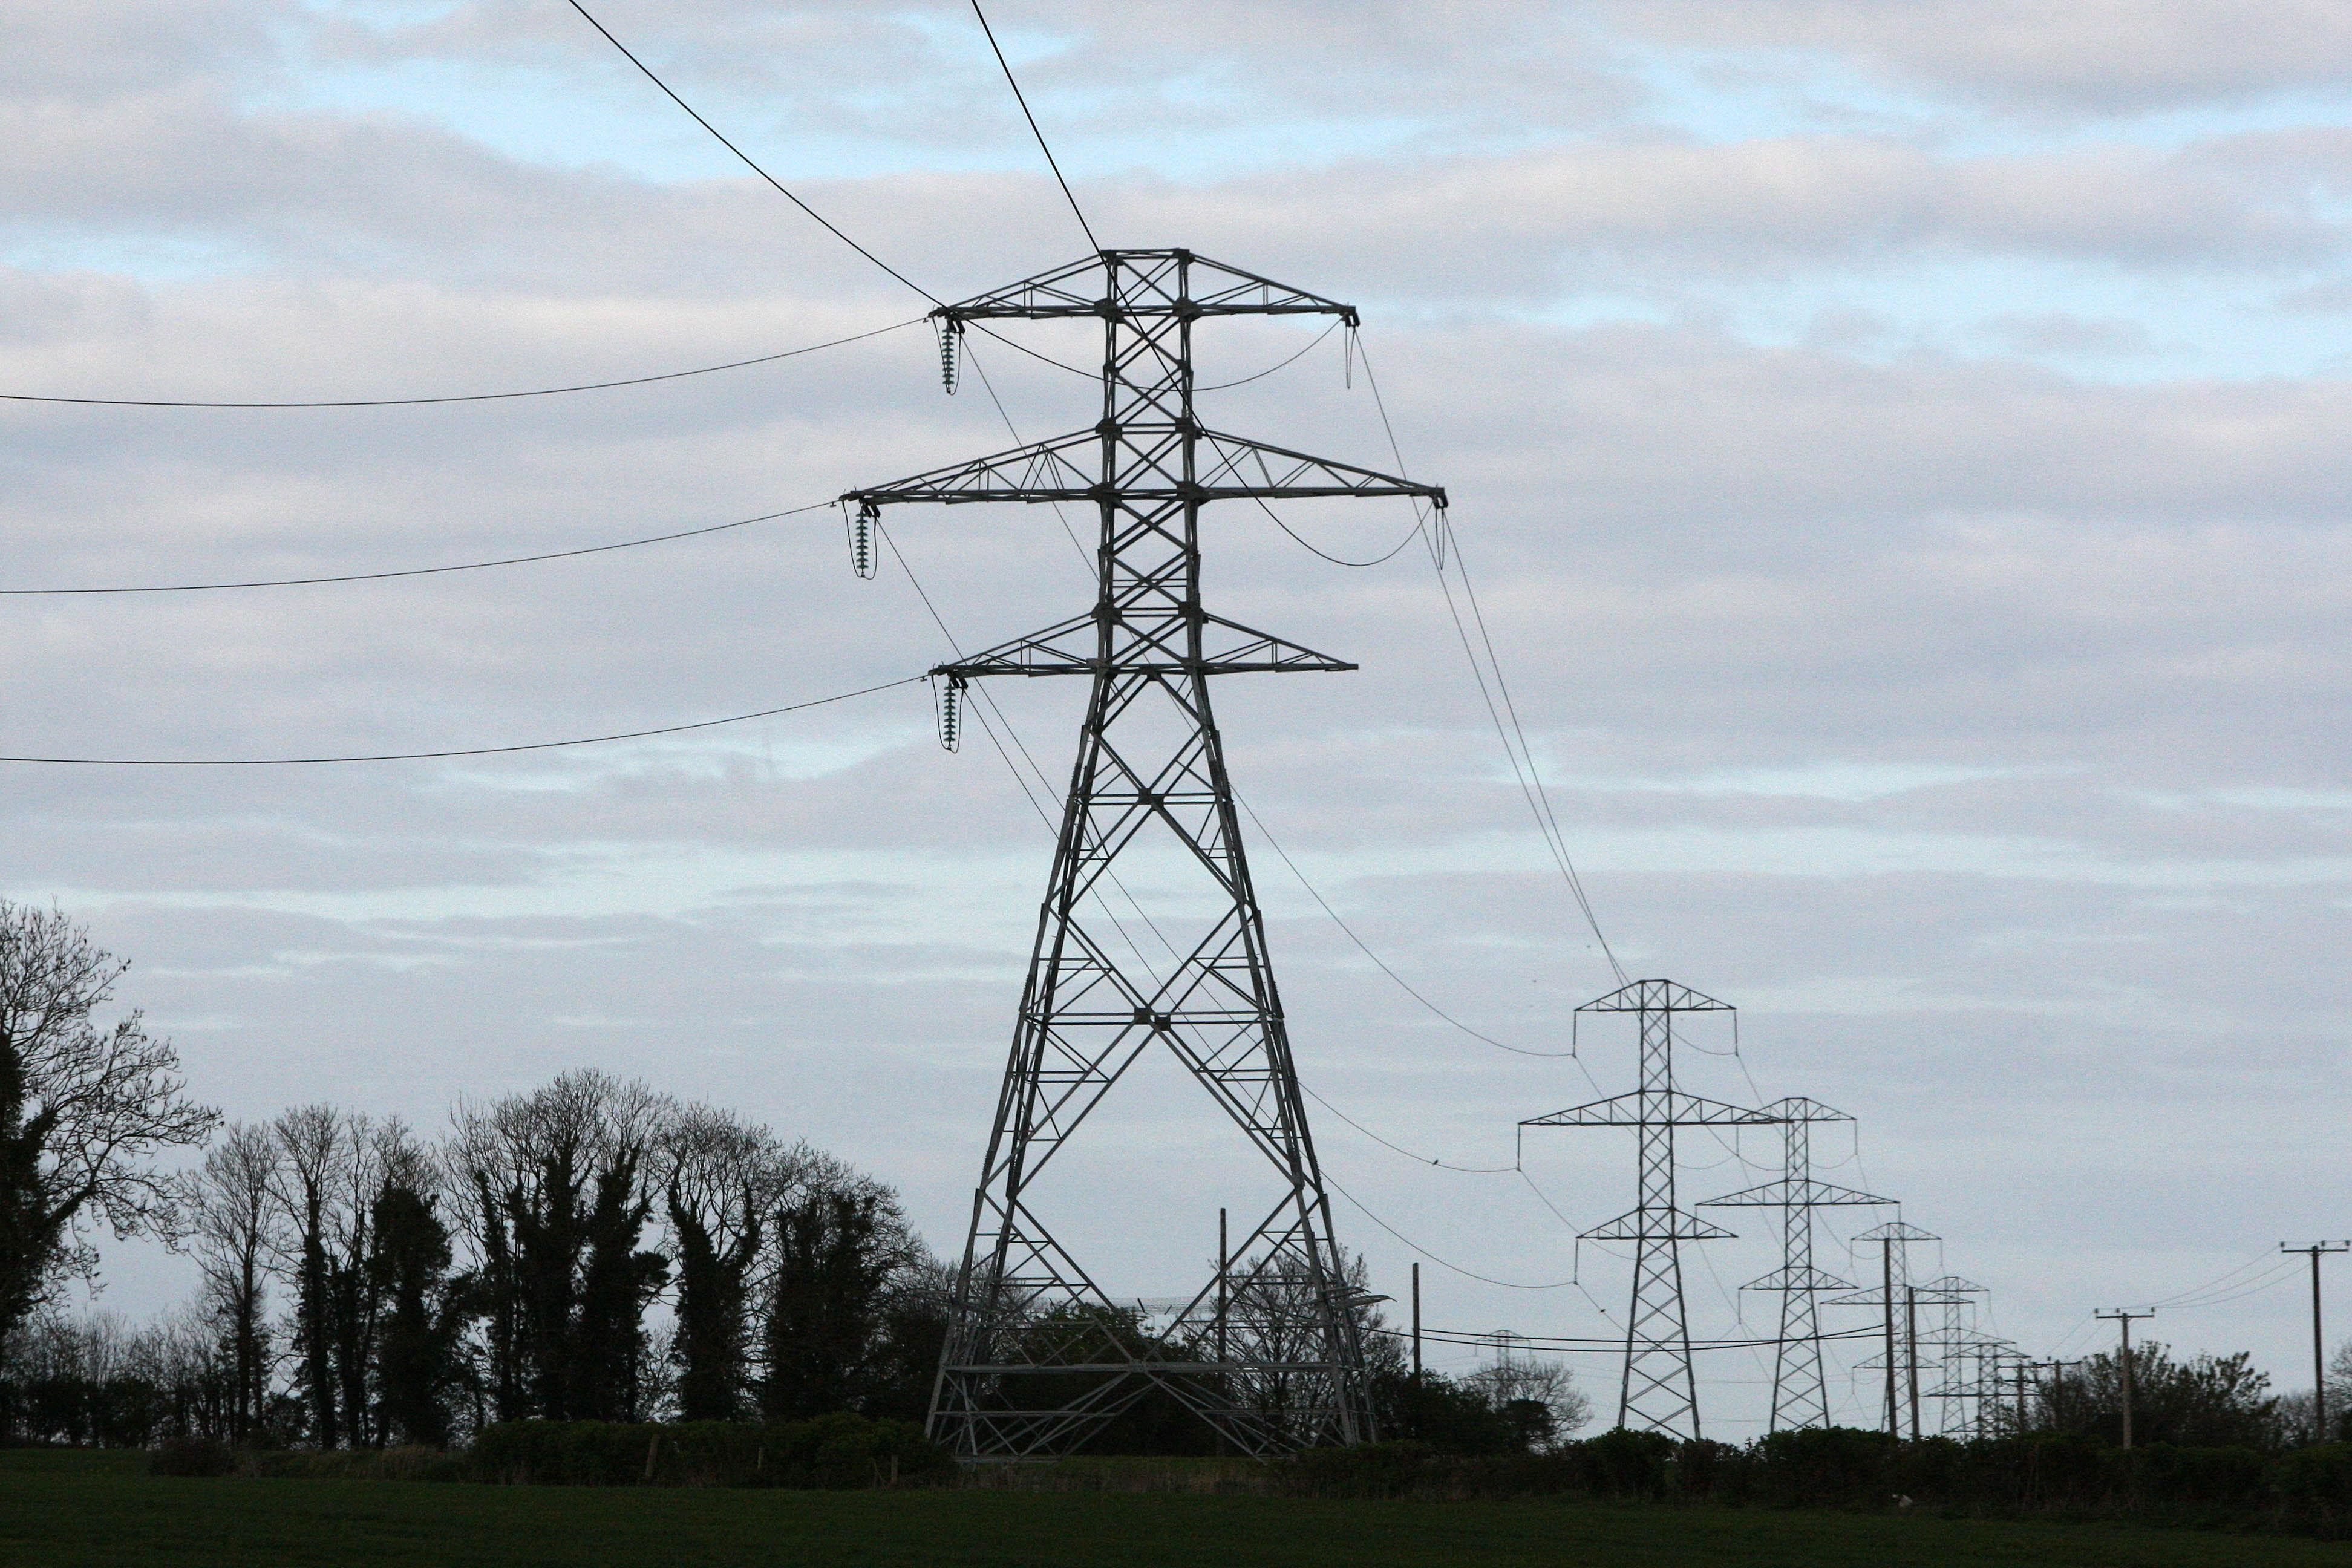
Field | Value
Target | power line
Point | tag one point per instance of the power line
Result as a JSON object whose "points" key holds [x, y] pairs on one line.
{"points": [[1539, 799], [1277, 365], [1399, 1148], [1022, 99], [747, 162], [421, 570], [466, 751], [1442, 1263], [458, 397], [1558, 839], [1415, 532], [830, 226], [2222, 1281], [1596, 1346], [1403, 983]]}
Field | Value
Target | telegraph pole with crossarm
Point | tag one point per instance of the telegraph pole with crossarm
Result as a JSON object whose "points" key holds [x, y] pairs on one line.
{"points": [[2317, 1250]]}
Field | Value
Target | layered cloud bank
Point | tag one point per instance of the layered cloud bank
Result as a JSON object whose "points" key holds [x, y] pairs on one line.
{"points": [[1900, 450]]}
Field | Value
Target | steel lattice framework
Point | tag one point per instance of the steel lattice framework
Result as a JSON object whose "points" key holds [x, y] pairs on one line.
{"points": [[1895, 1291], [1038, 1356], [1658, 1390], [1960, 1386], [1800, 1392]]}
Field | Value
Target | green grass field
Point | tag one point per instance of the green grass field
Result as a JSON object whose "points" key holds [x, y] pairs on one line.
{"points": [[102, 1510]]}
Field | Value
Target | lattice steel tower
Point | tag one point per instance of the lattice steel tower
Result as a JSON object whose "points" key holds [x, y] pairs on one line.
{"points": [[1800, 1392], [1658, 1392], [1896, 1296], [1039, 1357], [1959, 1388]]}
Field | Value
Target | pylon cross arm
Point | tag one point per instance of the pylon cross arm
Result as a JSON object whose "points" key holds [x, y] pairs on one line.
{"points": [[1795, 1194], [1153, 283], [1666, 1108], [1231, 467], [1156, 642]]}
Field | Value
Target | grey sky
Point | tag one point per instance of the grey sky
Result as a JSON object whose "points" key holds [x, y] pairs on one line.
{"points": [[1901, 449]]}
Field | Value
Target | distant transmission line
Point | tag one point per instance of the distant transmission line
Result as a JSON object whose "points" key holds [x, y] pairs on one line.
{"points": [[464, 752], [421, 570], [453, 397]]}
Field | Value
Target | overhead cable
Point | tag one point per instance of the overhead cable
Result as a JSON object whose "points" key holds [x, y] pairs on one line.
{"points": [[1381, 964], [830, 226], [1022, 99], [1277, 365], [458, 397], [1398, 1149], [464, 752], [747, 162], [1442, 1263], [1531, 779], [422, 571], [1297, 538]]}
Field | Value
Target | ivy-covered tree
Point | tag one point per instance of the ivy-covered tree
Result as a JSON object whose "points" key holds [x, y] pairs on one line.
{"points": [[419, 1314], [836, 1251]]}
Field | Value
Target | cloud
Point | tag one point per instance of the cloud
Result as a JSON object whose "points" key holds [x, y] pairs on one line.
{"points": [[2104, 56], [1973, 720]]}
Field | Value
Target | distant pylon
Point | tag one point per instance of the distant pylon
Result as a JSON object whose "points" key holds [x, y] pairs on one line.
{"points": [[1658, 1392], [1958, 1386], [1894, 1296], [1800, 1393]]}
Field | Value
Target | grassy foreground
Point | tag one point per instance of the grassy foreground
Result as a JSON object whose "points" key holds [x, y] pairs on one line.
{"points": [[84, 1510]]}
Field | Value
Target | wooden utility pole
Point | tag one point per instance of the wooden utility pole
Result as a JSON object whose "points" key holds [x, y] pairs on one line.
{"points": [[2317, 1250], [1416, 1325], [1224, 1265], [1887, 1294], [2124, 1319], [1911, 1359]]}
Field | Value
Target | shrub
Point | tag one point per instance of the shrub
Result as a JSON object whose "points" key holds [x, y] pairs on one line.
{"points": [[840, 1450], [400, 1464], [191, 1456], [1365, 1470], [2314, 1485], [1626, 1463], [1711, 1472], [2163, 1474], [1820, 1466]]}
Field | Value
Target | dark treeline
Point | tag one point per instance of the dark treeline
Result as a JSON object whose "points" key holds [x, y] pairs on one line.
{"points": [[2197, 1402], [588, 1251], [591, 1251], [594, 1251]]}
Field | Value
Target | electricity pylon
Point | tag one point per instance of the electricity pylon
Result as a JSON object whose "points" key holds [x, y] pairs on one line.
{"points": [[1039, 1357], [1898, 1300], [1800, 1393], [1956, 1336], [1658, 1392]]}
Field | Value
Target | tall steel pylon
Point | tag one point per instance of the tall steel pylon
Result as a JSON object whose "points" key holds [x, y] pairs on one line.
{"points": [[1800, 1392], [1038, 1356], [1658, 1390]]}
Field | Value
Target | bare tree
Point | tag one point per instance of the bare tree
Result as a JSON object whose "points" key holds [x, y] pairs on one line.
{"points": [[83, 1109], [235, 1212], [1276, 1325], [1538, 1397]]}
